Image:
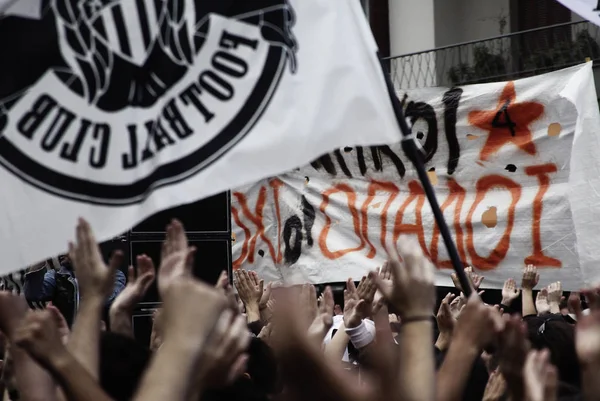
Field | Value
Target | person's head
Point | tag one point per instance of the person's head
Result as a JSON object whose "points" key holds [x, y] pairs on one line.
{"points": [[65, 261], [122, 363], [337, 310], [262, 367], [558, 336]]}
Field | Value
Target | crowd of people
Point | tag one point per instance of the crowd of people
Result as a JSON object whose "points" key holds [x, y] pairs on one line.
{"points": [[266, 341]]}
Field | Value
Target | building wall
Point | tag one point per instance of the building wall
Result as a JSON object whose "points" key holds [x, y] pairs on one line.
{"points": [[458, 21]]}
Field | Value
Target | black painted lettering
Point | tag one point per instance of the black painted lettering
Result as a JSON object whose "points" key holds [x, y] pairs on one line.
{"points": [[502, 119], [192, 95], [360, 156], [421, 110], [30, 122], [70, 151], [387, 151], [325, 162], [173, 116], [216, 86], [340, 159], [232, 41], [293, 225], [451, 101], [308, 211], [229, 64], [62, 121], [159, 135], [99, 153], [130, 160]]}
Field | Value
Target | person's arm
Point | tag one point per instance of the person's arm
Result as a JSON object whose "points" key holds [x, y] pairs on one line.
{"points": [[530, 279], [412, 293], [122, 308], [587, 344], [39, 285], [249, 293], [76, 381], [33, 381], [39, 337], [476, 328], [96, 282], [334, 350], [510, 293], [554, 296]]}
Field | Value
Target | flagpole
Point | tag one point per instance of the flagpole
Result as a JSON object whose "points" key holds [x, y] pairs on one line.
{"points": [[414, 155]]}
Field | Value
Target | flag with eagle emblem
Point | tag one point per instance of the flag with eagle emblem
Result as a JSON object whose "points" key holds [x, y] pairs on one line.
{"points": [[116, 109]]}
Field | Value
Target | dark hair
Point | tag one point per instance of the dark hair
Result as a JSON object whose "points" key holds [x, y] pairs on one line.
{"points": [[122, 364], [554, 333], [262, 377], [243, 389]]}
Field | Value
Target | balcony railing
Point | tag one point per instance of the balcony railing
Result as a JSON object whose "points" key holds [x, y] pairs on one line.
{"points": [[501, 58]]}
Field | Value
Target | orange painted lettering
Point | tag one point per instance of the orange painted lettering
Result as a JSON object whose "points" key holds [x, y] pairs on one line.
{"points": [[351, 195], [257, 219], [484, 184], [538, 258], [374, 187], [275, 185], [456, 193], [247, 234], [416, 193]]}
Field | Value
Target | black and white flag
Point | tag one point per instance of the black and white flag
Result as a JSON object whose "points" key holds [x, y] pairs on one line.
{"points": [[588, 9], [116, 109]]}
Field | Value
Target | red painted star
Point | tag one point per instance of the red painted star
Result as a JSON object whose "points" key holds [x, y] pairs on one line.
{"points": [[509, 123]]}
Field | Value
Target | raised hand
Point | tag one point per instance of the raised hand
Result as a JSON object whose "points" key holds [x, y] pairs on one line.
{"points": [[13, 309], [61, 323], [385, 275], [554, 296], [39, 335], [137, 285], [479, 325], [307, 303], [266, 295], [411, 290], [495, 388], [355, 309], [324, 319], [190, 314], [510, 292], [93, 276], [592, 298], [190, 311], [249, 292], [224, 356], [445, 323], [366, 290], [541, 377], [541, 302], [177, 258], [474, 278], [445, 320], [574, 302], [457, 305], [587, 331], [530, 278]]}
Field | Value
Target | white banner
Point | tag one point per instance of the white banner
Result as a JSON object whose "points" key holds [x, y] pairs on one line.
{"points": [[515, 168], [116, 110]]}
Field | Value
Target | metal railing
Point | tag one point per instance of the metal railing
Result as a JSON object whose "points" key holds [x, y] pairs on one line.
{"points": [[517, 55]]}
